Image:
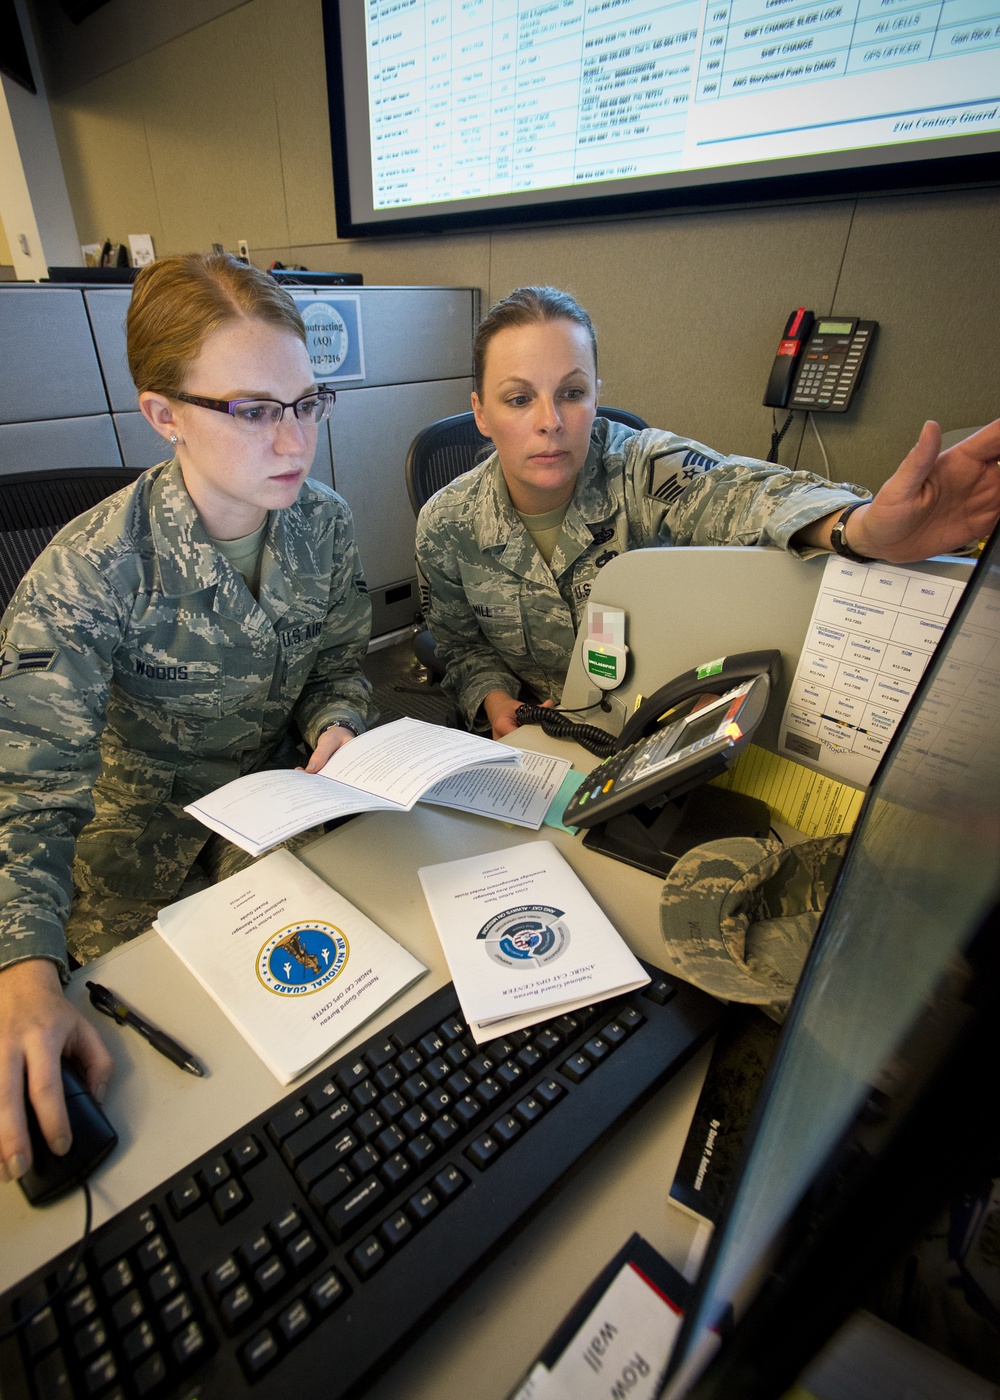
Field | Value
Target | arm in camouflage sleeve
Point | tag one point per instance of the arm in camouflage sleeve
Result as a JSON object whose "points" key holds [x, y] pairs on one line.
{"points": [[473, 668], [688, 494], [337, 687], [61, 631]]}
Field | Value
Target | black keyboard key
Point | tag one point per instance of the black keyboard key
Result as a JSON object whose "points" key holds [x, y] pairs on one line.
{"points": [[529, 1058], [431, 1045], [368, 1256], [369, 1125], [116, 1279], [100, 1373], [509, 1074], [259, 1353], [223, 1276], [394, 1170], [567, 1025], [81, 1305], [317, 1099], [396, 1229], [482, 1151], [303, 1251], [128, 1309], [331, 1187], [457, 1054], [52, 1377], [364, 1095], [529, 1110], [183, 1199], [630, 1018], [326, 1292], [132, 1231], [228, 1201], [410, 1060], [149, 1375], [445, 1128], [576, 1068], [489, 1090], [438, 1101], [269, 1277], [391, 1107], [507, 1128], [91, 1338], [421, 1150], [283, 1226], [358, 1206], [390, 1140], [614, 1033], [165, 1281], [306, 1139], [350, 1075], [659, 991], [138, 1343], [286, 1122], [253, 1249], [177, 1311], [387, 1078], [215, 1172], [414, 1120], [500, 1050], [449, 1182], [416, 1087], [548, 1041], [41, 1333], [295, 1321], [237, 1307], [459, 1083], [597, 1048], [480, 1066], [189, 1345], [247, 1152], [380, 1052], [365, 1160], [153, 1253], [437, 1070], [330, 1155], [423, 1205], [467, 1110], [550, 1091], [452, 1029]]}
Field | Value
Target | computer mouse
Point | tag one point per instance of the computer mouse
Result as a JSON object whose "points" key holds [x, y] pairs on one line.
{"points": [[49, 1176]]}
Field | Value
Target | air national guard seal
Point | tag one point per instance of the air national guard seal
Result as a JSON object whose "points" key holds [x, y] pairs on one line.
{"points": [[302, 958], [530, 936]]}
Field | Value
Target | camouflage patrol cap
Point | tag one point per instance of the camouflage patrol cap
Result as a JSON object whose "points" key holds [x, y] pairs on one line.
{"points": [[738, 915]]}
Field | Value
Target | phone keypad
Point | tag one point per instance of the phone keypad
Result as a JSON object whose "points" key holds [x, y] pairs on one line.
{"points": [[830, 369]]}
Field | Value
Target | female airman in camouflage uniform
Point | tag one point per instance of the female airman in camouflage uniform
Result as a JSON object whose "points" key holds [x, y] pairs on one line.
{"points": [[508, 552], [198, 625]]}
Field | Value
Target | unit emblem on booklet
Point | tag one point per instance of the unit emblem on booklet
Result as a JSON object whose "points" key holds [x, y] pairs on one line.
{"points": [[302, 958], [530, 935]]}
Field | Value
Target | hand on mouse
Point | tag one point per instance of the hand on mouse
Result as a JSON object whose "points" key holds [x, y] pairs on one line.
{"points": [[38, 1027]]}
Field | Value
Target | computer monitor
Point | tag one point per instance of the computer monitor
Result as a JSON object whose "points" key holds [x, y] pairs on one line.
{"points": [[881, 1100]]}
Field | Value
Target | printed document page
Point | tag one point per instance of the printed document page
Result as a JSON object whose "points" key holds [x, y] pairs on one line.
{"points": [[520, 794], [523, 937], [873, 630], [293, 964]]}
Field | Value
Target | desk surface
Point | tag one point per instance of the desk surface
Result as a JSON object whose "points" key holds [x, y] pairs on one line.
{"points": [[166, 1118]]}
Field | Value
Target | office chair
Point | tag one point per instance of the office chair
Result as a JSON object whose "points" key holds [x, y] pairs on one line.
{"points": [[35, 505], [446, 449], [451, 446]]}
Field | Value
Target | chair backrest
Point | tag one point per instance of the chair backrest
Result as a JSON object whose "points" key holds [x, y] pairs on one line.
{"points": [[454, 445], [34, 506]]}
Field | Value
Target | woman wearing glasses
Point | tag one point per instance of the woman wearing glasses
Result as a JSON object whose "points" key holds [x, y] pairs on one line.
{"points": [[200, 624]]}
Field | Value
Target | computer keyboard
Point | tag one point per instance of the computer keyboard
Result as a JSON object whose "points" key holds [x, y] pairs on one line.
{"points": [[300, 1254]]}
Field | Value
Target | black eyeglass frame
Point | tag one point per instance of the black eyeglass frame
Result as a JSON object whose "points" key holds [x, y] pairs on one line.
{"points": [[231, 405]]}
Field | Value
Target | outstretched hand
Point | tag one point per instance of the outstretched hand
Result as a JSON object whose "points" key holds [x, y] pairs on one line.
{"points": [[935, 501]]}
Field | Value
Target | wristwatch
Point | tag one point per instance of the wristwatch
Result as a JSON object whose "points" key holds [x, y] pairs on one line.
{"points": [[340, 724], [840, 544]]}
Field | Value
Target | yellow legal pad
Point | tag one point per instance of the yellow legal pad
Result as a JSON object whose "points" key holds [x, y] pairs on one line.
{"points": [[811, 802]]}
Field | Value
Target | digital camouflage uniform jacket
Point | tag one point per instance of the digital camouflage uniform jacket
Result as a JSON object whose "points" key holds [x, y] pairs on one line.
{"points": [[137, 673], [500, 615]]}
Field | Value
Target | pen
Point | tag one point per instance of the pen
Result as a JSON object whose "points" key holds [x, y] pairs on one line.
{"points": [[107, 1002]]}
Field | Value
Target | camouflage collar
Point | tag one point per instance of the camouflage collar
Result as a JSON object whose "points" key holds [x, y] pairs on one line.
{"points": [[187, 560]]}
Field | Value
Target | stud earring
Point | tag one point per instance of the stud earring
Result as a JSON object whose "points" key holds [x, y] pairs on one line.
{"points": [[173, 439]]}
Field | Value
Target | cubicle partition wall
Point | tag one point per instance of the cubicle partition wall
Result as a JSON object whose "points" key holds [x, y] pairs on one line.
{"points": [[399, 357]]}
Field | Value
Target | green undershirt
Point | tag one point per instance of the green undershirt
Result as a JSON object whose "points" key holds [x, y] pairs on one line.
{"points": [[544, 529], [245, 555]]}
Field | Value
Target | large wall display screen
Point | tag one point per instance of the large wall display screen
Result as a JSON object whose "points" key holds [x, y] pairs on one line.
{"points": [[454, 113]]}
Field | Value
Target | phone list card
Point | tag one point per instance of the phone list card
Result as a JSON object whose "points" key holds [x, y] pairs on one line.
{"points": [[873, 630]]}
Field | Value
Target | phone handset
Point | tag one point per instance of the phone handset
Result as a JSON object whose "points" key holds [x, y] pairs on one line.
{"points": [[793, 341], [710, 677]]}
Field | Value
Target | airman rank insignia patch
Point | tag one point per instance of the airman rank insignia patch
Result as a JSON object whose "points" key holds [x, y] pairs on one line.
{"points": [[14, 662]]}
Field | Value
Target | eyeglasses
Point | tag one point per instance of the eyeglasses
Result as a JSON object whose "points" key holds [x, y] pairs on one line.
{"points": [[258, 415]]}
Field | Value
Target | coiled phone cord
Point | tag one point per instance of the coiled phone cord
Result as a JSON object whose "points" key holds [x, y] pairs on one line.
{"points": [[553, 722]]}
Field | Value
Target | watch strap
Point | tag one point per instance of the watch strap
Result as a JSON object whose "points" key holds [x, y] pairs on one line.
{"points": [[838, 541]]}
